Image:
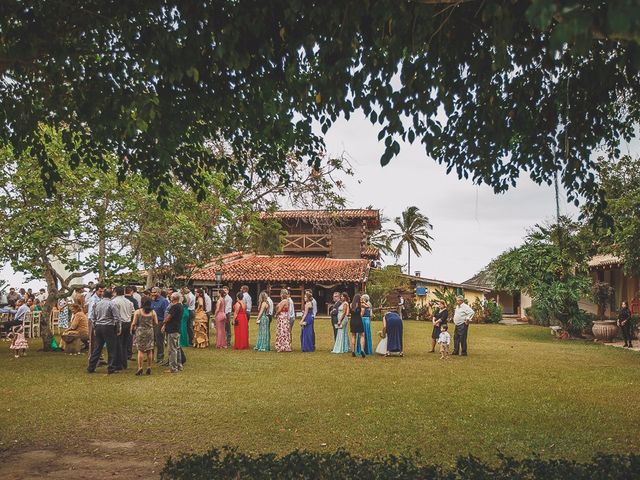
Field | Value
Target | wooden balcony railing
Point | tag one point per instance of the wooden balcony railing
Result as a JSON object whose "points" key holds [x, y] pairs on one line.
{"points": [[307, 243]]}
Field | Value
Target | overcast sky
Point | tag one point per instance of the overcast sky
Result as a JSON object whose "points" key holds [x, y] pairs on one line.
{"points": [[471, 224]]}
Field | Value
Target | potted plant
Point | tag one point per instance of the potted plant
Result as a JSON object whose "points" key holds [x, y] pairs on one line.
{"points": [[603, 330]]}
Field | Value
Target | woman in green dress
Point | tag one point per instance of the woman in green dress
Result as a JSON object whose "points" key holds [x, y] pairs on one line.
{"points": [[264, 336], [184, 330]]}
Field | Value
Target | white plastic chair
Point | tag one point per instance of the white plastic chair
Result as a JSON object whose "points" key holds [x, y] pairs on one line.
{"points": [[27, 324], [35, 325], [53, 322]]}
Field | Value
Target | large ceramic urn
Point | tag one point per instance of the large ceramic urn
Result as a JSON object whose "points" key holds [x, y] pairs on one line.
{"points": [[605, 330]]}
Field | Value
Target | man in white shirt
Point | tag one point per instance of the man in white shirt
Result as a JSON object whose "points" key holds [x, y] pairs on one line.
{"points": [[292, 314], [125, 308], [208, 305], [136, 295], [228, 309], [270, 309], [42, 296], [401, 309], [247, 299], [88, 294], [462, 315], [93, 298]]}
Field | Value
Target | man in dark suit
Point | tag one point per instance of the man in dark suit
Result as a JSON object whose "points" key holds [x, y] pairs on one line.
{"points": [[337, 303]]}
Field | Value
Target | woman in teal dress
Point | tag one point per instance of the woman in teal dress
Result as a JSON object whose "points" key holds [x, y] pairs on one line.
{"points": [[184, 330], [264, 336], [342, 344], [366, 322]]}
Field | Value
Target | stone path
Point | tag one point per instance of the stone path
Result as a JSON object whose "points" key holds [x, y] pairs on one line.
{"points": [[620, 344]]}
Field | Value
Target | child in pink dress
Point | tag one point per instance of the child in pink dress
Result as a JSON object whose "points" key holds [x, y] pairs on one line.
{"points": [[18, 341]]}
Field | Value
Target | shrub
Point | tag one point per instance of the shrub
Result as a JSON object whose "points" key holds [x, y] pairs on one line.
{"points": [[538, 315], [423, 312], [228, 463], [446, 295], [493, 312], [486, 312]]}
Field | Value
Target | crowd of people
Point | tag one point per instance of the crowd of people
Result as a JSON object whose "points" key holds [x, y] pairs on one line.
{"points": [[165, 320]]}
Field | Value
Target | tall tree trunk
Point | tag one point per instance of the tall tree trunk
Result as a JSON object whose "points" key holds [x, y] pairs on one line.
{"points": [[151, 281], [102, 240], [52, 298], [102, 257], [408, 259]]}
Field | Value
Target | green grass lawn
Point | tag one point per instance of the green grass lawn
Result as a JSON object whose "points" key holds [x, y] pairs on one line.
{"points": [[519, 391]]}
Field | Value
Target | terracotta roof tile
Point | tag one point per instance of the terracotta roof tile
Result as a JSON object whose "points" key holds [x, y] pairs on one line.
{"points": [[370, 252], [371, 216], [283, 268], [604, 261]]}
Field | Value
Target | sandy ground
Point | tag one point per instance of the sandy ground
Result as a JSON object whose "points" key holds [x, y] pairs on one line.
{"points": [[113, 460]]}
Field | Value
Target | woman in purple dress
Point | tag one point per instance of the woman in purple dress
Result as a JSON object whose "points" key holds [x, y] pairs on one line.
{"points": [[306, 324]]}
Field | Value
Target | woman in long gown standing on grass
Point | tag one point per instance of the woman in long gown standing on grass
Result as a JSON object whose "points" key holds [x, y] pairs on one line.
{"points": [[221, 320], [306, 333], [283, 328], [342, 337], [263, 340], [356, 326], [240, 324], [365, 310], [184, 324]]}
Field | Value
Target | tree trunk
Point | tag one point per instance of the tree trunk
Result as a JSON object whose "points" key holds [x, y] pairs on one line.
{"points": [[151, 282], [52, 298], [102, 241], [408, 259]]}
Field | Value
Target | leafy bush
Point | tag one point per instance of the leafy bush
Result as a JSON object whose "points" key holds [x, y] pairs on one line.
{"points": [[493, 312], [582, 321], [382, 283], [601, 294], [486, 312], [539, 315], [446, 295], [228, 463], [423, 312]]}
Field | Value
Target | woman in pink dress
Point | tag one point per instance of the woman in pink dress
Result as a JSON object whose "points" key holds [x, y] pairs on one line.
{"points": [[221, 320], [283, 327], [240, 324]]}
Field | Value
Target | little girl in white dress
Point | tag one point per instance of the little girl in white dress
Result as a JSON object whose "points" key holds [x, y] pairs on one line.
{"points": [[18, 341]]}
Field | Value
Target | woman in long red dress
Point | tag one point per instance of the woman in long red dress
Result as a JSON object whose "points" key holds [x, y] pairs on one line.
{"points": [[240, 325]]}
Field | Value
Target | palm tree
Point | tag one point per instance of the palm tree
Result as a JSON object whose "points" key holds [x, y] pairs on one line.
{"points": [[382, 238], [414, 231]]}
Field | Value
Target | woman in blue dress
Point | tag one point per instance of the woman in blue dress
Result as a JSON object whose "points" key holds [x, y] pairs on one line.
{"points": [[392, 327], [264, 335], [366, 323], [342, 344], [306, 325]]}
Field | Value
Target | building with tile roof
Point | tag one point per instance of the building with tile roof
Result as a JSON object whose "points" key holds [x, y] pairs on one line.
{"points": [[610, 269], [324, 250]]}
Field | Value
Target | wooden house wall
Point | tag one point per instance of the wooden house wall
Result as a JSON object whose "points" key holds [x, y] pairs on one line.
{"points": [[346, 242]]}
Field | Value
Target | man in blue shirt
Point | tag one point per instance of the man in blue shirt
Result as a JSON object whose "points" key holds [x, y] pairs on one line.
{"points": [[160, 305], [18, 315]]}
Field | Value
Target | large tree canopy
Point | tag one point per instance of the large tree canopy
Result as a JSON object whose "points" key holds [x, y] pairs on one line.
{"points": [[490, 88]]}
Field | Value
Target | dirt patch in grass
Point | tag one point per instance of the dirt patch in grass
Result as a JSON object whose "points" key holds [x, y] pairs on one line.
{"points": [[113, 460]]}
